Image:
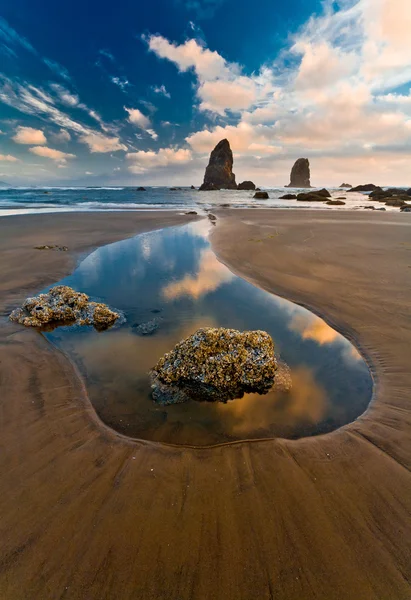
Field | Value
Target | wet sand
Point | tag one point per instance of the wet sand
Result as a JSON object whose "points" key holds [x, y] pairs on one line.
{"points": [[86, 513]]}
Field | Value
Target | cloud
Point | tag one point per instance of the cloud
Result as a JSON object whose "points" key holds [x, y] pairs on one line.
{"points": [[62, 136], [57, 69], [100, 143], [8, 158], [210, 276], [34, 101], [137, 118], [56, 155], [107, 54], [11, 37], [143, 161], [161, 90], [64, 95], [121, 82], [28, 135]]}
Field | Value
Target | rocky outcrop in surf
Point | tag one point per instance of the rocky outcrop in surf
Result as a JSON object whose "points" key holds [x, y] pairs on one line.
{"points": [[219, 172], [246, 185], [300, 174]]}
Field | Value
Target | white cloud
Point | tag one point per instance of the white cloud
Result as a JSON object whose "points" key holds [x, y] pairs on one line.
{"points": [[100, 143], [142, 161], [161, 89], [121, 82], [88, 173], [8, 158], [137, 118], [64, 95], [56, 155], [57, 69], [28, 135]]}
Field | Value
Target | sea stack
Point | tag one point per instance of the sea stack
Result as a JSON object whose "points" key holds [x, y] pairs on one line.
{"points": [[300, 174], [219, 172]]}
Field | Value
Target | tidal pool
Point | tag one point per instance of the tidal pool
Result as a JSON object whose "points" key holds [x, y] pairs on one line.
{"points": [[169, 283]]}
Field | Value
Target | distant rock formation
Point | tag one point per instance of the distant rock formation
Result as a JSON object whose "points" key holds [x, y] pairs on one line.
{"points": [[261, 196], [141, 189], [345, 185], [192, 188], [300, 174], [219, 172], [246, 185], [368, 187]]}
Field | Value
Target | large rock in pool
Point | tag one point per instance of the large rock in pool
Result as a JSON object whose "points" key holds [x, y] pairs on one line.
{"points": [[246, 185], [215, 365], [300, 174], [261, 195], [219, 172], [63, 306]]}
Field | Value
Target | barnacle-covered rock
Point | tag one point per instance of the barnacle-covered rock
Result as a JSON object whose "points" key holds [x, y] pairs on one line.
{"points": [[215, 364], [63, 306]]}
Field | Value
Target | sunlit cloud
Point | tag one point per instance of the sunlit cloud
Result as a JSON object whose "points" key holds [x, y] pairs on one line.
{"points": [[56, 155], [313, 328], [8, 158], [210, 276], [29, 135]]}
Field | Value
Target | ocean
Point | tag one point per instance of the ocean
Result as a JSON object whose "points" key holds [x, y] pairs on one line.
{"points": [[25, 200]]}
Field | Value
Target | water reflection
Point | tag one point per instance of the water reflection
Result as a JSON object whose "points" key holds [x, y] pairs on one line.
{"points": [[174, 274]]}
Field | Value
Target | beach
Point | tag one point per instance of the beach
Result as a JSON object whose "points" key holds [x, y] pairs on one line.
{"points": [[88, 513]]}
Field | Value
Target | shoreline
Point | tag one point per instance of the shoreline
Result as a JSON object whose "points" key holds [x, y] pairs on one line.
{"points": [[199, 507]]}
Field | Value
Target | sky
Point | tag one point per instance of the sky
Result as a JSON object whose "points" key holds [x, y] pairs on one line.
{"points": [[139, 93]]}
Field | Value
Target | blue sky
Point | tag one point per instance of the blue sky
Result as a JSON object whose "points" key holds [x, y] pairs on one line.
{"points": [[130, 92]]}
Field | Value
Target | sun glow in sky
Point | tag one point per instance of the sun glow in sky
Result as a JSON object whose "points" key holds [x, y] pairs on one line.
{"points": [[133, 94]]}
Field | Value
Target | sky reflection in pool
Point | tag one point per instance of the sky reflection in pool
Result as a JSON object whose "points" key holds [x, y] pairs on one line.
{"points": [[173, 276]]}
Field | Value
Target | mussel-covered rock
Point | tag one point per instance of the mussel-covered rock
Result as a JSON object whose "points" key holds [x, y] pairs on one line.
{"points": [[215, 365], [63, 306]]}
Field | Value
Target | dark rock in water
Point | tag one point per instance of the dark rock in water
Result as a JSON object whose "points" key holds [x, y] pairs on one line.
{"points": [[261, 196], [288, 197], [175, 189], [141, 189], [395, 201], [257, 189], [246, 185], [192, 188], [381, 208], [52, 247], [191, 212], [219, 172], [335, 202], [368, 187], [345, 185], [310, 197], [324, 193], [212, 217], [300, 174], [225, 205], [215, 365], [147, 328], [156, 311], [406, 208], [63, 306], [369, 207]]}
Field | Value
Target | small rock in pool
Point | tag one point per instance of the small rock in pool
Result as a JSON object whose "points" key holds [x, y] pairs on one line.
{"points": [[51, 247], [191, 212], [63, 306], [215, 365], [147, 328], [212, 217]]}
